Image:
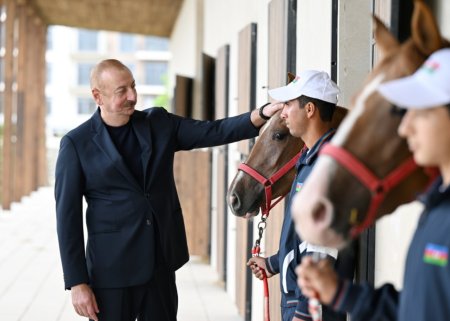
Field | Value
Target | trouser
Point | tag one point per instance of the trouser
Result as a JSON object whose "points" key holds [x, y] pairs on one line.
{"points": [[155, 301]]}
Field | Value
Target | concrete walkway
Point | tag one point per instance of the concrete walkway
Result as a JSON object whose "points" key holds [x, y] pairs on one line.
{"points": [[31, 287]]}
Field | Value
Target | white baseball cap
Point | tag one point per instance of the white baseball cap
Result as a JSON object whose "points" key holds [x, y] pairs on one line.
{"points": [[311, 83], [428, 87]]}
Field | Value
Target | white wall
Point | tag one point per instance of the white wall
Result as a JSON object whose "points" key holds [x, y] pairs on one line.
{"points": [[183, 43], [393, 235], [354, 47], [224, 20], [442, 13], [314, 35]]}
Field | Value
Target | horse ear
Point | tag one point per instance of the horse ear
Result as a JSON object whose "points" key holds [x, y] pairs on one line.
{"points": [[385, 40], [424, 29], [290, 77]]}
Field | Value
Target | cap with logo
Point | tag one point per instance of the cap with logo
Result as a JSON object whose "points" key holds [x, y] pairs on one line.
{"points": [[428, 87], [311, 83]]}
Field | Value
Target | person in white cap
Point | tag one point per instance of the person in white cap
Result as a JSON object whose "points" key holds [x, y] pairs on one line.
{"points": [[426, 290], [309, 103]]}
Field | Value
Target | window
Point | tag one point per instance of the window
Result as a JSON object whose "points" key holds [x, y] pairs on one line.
{"points": [[87, 40], [84, 74], [1, 110], [49, 75], [2, 70], [156, 43], [49, 104], [127, 43], [132, 68], [155, 72], [86, 105], [50, 38]]}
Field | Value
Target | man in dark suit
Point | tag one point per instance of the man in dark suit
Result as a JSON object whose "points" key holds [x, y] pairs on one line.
{"points": [[121, 162]]}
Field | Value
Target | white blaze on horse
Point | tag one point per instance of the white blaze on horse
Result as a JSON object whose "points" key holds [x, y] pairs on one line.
{"points": [[366, 171]]}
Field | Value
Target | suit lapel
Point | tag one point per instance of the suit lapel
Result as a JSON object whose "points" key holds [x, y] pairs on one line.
{"points": [[142, 130], [102, 139]]}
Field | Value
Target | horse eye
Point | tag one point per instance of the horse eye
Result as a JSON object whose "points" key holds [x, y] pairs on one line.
{"points": [[278, 136], [398, 111]]}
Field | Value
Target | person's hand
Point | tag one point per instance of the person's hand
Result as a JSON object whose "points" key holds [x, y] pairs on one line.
{"points": [[297, 319], [257, 264], [317, 279], [83, 300], [268, 112], [272, 108]]}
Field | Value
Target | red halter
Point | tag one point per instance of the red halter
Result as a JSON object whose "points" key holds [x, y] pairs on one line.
{"points": [[379, 187], [265, 209], [268, 182]]}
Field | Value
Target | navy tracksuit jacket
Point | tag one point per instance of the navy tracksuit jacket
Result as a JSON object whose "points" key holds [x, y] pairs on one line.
{"points": [[426, 290], [292, 249]]}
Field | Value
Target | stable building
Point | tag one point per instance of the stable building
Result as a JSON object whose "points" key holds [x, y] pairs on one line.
{"points": [[225, 57]]}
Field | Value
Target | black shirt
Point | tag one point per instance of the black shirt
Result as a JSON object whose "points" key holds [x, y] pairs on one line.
{"points": [[127, 144]]}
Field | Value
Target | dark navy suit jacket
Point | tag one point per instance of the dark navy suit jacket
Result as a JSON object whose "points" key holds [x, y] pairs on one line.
{"points": [[121, 214]]}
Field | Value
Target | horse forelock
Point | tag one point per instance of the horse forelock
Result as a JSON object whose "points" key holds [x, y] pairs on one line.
{"points": [[360, 104], [266, 125]]}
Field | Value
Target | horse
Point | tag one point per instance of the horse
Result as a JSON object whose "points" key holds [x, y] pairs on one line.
{"points": [[273, 150], [367, 171]]}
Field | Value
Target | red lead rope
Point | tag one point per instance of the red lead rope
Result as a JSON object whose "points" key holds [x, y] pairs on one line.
{"points": [[265, 209], [255, 252]]}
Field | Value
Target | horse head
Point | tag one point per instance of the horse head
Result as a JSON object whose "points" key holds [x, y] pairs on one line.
{"points": [[274, 148], [366, 171]]}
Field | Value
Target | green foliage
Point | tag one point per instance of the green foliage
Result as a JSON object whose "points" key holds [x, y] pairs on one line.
{"points": [[163, 100]]}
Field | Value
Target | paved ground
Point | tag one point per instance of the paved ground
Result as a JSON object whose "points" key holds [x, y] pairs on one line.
{"points": [[31, 287]]}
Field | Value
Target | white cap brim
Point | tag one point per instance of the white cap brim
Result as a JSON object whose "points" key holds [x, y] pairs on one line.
{"points": [[428, 87], [411, 93], [284, 94]]}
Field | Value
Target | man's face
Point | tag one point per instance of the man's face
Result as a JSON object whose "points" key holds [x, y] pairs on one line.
{"points": [[117, 93], [295, 117], [428, 134]]}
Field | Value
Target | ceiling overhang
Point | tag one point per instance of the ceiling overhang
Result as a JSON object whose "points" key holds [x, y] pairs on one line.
{"points": [[150, 17]]}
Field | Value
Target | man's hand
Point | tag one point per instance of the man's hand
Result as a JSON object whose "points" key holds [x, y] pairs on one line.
{"points": [[83, 300], [272, 108], [257, 264], [317, 279], [269, 111]]}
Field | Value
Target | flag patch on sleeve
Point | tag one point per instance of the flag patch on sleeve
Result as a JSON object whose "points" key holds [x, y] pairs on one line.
{"points": [[435, 254], [298, 187]]}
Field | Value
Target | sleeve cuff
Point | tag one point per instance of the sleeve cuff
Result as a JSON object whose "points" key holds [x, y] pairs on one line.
{"points": [[302, 310], [346, 296], [270, 268], [303, 316]]}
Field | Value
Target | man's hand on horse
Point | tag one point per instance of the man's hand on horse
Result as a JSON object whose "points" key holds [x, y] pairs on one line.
{"points": [[258, 264], [273, 108], [261, 115]]}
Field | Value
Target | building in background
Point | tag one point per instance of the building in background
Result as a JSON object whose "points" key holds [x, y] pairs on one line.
{"points": [[71, 53]]}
